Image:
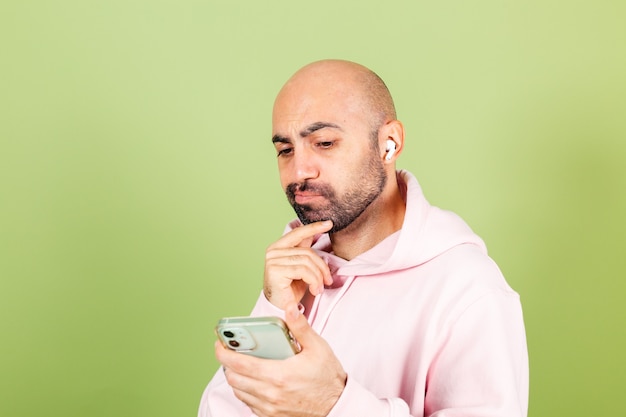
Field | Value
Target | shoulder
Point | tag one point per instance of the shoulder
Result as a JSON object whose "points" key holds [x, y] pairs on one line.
{"points": [[468, 266]]}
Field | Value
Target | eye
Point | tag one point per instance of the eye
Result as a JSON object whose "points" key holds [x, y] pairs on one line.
{"points": [[285, 152], [325, 144]]}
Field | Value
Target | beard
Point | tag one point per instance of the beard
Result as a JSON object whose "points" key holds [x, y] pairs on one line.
{"points": [[367, 184]]}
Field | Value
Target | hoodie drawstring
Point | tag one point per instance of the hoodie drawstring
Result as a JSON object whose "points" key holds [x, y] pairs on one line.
{"points": [[332, 296]]}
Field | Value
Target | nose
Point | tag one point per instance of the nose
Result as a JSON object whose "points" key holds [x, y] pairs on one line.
{"points": [[305, 165]]}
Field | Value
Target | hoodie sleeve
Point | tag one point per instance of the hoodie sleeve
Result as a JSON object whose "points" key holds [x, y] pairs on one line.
{"points": [[356, 400], [264, 308]]}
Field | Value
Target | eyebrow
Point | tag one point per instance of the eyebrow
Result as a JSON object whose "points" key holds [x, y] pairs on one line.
{"points": [[317, 126], [310, 129]]}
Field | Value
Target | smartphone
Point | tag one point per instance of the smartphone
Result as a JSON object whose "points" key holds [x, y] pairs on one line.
{"points": [[263, 337]]}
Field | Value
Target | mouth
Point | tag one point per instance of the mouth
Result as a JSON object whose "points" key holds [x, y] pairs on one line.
{"points": [[306, 197], [309, 196]]}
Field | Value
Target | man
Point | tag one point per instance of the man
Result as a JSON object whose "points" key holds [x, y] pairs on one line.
{"points": [[397, 307]]}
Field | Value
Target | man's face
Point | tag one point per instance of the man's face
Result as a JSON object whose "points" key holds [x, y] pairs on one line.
{"points": [[328, 159]]}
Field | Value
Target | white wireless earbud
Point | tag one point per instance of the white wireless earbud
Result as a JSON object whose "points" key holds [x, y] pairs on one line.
{"points": [[391, 149]]}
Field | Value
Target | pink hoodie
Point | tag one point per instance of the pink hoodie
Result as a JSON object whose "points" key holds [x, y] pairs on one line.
{"points": [[424, 325]]}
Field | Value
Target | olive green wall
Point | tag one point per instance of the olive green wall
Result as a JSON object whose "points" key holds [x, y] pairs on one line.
{"points": [[138, 187]]}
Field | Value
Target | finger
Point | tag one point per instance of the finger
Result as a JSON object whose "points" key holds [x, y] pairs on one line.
{"points": [[238, 363], [250, 400], [260, 397], [248, 391], [300, 234], [295, 257], [227, 357], [285, 275], [219, 351], [299, 326]]}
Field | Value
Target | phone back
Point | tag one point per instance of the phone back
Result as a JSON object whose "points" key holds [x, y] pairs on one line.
{"points": [[264, 337]]}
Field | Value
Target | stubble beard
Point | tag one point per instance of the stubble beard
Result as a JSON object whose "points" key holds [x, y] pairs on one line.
{"points": [[368, 183]]}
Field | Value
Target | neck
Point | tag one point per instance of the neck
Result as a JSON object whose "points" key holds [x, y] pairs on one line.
{"points": [[382, 218]]}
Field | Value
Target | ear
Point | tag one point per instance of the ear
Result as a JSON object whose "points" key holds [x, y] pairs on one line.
{"points": [[391, 131]]}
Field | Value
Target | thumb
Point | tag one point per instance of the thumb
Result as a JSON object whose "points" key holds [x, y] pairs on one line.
{"points": [[298, 325]]}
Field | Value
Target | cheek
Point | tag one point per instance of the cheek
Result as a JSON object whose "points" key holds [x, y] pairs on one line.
{"points": [[284, 178], [348, 170], [288, 172]]}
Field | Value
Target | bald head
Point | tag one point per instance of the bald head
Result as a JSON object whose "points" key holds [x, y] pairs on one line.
{"points": [[355, 86]]}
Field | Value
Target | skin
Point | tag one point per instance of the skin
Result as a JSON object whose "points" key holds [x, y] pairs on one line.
{"points": [[330, 130]]}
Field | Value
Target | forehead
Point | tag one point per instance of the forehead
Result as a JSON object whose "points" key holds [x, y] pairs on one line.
{"points": [[295, 109]]}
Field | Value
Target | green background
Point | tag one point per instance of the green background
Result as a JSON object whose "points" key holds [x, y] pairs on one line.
{"points": [[138, 186]]}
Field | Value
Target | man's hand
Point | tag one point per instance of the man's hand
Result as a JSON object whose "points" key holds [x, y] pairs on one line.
{"points": [[305, 385], [291, 266]]}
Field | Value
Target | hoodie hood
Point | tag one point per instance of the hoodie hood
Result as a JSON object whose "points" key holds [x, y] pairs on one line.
{"points": [[427, 232]]}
